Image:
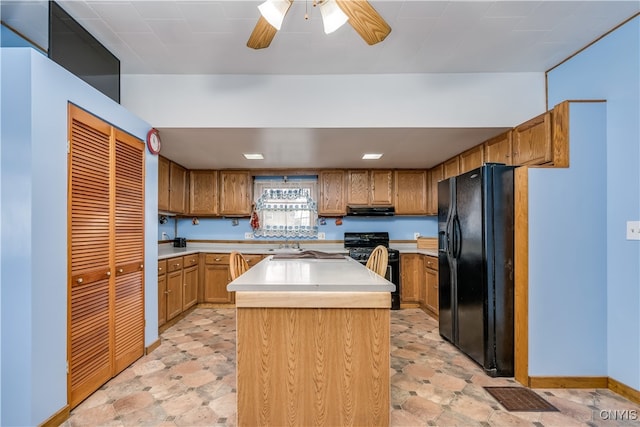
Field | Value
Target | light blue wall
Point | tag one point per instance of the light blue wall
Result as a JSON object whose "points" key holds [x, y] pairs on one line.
{"points": [[399, 227], [610, 70], [567, 249], [33, 170]]}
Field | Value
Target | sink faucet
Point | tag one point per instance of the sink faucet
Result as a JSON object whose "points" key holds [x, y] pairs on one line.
{"points": [[296, 245]]}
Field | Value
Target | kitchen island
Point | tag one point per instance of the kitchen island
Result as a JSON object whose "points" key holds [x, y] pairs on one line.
{"points": [[312, 343]]}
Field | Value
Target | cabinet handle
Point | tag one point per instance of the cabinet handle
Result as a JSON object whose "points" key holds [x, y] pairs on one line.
{"points": [[159, 268], [218, 259], [176, 265], [120, 270], [141, 266], [108, 274], [167, 292], [80, 280]]}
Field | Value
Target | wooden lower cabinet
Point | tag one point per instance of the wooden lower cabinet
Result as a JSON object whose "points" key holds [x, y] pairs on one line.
{"points": [[190, 281], [217, 277], [431, 284], [174, 294], [162, 292], [411, 275]]}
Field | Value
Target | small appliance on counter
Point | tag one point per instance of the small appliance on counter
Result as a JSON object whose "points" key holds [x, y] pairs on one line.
{"points": [[179, 242]]}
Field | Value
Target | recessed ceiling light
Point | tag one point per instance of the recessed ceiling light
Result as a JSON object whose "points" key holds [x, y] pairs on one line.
{"points": [[371, 156], [253, 156]]}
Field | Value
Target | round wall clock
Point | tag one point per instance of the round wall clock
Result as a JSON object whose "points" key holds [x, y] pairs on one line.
{"points": [[153, 141]]}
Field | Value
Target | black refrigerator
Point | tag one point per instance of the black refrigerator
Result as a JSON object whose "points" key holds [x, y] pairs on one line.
{"points": [[475, 260]]}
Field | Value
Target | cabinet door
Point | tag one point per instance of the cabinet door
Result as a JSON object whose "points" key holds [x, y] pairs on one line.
{"points": [[411, 192], [436, 174], [532, 144], [174, 294], [431, 284], [163, 184], [216, 279], [472, 159], [452, 167], [235, 193], [162, 299], [498, 149], [177, 188], [411, 274], [190, 292], [332, 191], [381, 187], [203, 192], [358, 187], [129, 250]]}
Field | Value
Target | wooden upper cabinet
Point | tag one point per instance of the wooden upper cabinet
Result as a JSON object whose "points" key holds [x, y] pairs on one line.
{"points": [[177, 188], [235, 193], [203, 192], [436, 174], [370, 187], [472, 158], [498, 149], [358, 187], [332, 191], [411, 192], [381, 187], [163, 183], [452, 167], [532, 144], [560, 143]]}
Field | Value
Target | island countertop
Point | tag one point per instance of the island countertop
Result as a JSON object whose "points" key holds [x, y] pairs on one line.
{"points": [[310, 275]]}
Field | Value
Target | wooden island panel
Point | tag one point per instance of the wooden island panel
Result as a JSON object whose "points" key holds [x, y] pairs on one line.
{"points": [[313, 366]]}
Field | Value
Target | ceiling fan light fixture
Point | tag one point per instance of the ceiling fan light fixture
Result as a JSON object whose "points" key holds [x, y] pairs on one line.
{"points": [[332, 16], [274, 11]]}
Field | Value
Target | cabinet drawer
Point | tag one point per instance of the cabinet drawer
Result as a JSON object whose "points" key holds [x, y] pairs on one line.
{"points": [[216, 259], [431, 262], [253, 259], [174, 264], [162, 266], [189, 260]]}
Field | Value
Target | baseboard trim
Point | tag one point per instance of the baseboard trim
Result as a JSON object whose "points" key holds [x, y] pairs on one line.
{"points": [[624, 390], [568, 382], [152, 347], [58, 418]]}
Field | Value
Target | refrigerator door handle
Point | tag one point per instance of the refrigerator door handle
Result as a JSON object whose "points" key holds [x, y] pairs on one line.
{"points": [[443, 242], [457, 237]]}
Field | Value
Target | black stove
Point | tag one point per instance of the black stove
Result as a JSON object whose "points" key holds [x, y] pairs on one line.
{"points": [[360, 246]]}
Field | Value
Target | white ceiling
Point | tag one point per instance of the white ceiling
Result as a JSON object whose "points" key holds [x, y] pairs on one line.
{"points": [[209, 37]]}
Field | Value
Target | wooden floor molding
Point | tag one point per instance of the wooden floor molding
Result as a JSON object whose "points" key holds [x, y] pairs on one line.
{"points": [[58, 418], [624, 390], [568, 382], [153, 346], [586, 382]]}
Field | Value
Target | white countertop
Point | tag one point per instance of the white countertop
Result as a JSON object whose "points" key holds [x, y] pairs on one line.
{"points": [[310, 275], [166, 250]]}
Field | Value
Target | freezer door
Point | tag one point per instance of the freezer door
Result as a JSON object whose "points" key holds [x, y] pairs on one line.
{"points": [[468, 234], [446, 264]]}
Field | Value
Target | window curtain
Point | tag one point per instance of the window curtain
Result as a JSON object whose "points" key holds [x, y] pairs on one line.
{"points": [[286, 209]]}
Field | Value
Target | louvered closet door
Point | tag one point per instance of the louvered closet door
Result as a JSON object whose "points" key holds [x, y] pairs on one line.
{"points": [[89, 258], [129, 251]]}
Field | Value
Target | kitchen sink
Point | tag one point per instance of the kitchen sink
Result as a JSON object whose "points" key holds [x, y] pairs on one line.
{"points": [[285, 250]]}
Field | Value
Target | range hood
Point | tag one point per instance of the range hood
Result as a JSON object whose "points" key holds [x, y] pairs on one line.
{"points": [[370, 210]]}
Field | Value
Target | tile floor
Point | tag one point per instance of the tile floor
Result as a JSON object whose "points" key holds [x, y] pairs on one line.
{"points": [[190, 381]]}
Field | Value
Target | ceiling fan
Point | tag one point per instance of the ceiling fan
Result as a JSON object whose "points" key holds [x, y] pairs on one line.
{"points": [[359, 13]]}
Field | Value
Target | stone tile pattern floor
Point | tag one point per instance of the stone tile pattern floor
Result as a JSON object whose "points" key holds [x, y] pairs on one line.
{"points": [[189, 380]]}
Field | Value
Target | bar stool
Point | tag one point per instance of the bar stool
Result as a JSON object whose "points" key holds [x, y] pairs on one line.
{"points": [[237, 264], [378, 260]]}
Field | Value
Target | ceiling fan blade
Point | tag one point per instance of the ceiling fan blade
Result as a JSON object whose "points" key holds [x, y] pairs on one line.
{"points": [[262, 35], [365, 20]]}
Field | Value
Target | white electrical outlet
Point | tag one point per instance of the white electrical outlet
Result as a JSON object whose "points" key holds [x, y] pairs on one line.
{"points": [[165, 236], [416, 235], [248, 235], [321, 235], [633, 230]]}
